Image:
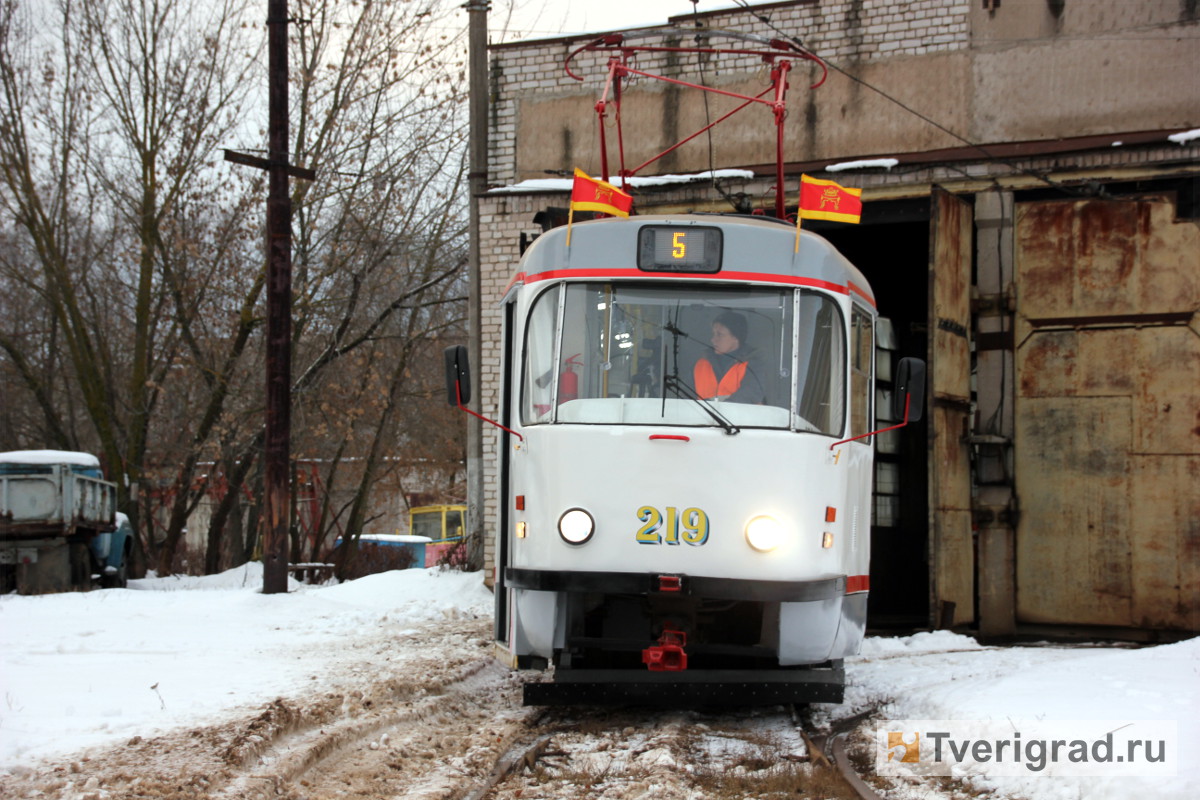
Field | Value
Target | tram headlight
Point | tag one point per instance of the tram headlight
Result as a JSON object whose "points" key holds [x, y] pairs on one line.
{"points": [[576, 526], [764, 533]]}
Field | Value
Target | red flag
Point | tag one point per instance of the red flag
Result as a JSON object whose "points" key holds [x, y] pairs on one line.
{"points": [[590, 194], [827, 200]]}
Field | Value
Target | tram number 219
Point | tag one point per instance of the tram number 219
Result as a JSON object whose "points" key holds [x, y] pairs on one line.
{"points": [[672, 526]]}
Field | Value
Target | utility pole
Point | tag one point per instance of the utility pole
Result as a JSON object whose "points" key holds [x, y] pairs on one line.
{"points": [[477, 183], [276, 452], [276, 491]]}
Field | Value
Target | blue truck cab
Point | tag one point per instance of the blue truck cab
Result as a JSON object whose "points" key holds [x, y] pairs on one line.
{"points": [[111, 552]]}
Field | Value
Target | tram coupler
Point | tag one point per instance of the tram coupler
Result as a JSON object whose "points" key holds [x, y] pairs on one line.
{"points": [[668, 655]]}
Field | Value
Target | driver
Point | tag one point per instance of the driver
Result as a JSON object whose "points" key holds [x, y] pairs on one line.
{"points": [[728, 373]]}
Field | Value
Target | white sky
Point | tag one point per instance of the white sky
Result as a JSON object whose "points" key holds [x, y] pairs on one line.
{"points": [[538, 19]]}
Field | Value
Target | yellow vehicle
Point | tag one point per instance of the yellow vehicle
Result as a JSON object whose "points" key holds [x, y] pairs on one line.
{"points": [[443, 525]]}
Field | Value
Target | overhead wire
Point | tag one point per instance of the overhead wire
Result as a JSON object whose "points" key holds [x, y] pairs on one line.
{"points": [[704, 82], [766, 20], [739, 201]]}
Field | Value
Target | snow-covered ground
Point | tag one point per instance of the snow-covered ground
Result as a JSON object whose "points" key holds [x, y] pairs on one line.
{"points": [[83, 671]]}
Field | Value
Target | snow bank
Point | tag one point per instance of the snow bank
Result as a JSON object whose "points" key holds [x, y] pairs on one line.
{"points": [[84, 669], [946, 676], [927, 642]]}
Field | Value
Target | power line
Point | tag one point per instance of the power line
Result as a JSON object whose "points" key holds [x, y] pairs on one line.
{"points": [[766, 20]]}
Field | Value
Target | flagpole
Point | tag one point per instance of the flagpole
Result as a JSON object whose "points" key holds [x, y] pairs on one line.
{"points": [[570, 219], [799, 214]]}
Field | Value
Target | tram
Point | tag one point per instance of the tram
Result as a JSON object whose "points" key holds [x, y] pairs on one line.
{"points": [[685, 461]]}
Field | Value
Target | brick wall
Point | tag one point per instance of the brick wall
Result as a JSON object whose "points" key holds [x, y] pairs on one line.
{"points": [[845, 33], [502, 220]]}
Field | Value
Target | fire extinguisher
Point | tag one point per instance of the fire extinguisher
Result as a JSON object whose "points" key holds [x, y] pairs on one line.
{"points": [[568, 381]]}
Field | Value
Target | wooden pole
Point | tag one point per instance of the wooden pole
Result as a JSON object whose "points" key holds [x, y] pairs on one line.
{"points": [[276, 454]]}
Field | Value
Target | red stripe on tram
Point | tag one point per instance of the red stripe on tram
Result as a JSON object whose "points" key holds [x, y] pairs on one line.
{"points": [[725, 275], [861, 292], [857, 583]]}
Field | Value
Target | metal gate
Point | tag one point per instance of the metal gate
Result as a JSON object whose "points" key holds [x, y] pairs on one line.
{"points": [[1107, 440], [952, 556]]}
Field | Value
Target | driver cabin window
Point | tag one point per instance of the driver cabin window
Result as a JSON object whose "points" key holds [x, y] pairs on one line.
{"points": [[822, 365], [862, 347], [537, 391]]}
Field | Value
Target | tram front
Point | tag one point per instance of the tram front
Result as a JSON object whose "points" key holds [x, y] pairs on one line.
{"points": [[673, 513]]}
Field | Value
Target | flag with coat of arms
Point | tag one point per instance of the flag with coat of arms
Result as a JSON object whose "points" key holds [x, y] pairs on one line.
{"points": [[827, 200], [593, 194]]}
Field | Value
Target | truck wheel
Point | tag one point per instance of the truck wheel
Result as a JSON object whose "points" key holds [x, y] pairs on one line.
{"points": [[119, 579], [81, 567]]}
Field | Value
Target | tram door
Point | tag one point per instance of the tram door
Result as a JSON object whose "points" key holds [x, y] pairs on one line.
{"points": [[503, 547]]}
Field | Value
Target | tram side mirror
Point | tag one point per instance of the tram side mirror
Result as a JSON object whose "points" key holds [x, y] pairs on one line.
{"points": [[458, 375], [910, 386]]}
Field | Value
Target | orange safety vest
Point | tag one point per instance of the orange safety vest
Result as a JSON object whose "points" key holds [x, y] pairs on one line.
{"points": [[706, 380]]}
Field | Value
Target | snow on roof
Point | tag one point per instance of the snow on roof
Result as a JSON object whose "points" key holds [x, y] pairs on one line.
{"points": [[866, 163], [565, 184], [1185, 137], [49, 457]]}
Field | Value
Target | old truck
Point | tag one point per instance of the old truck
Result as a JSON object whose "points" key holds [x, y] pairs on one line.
{"points": [[59, 526]]}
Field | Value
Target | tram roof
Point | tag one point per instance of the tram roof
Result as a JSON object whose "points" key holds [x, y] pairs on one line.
{"points": [[756, 249]]}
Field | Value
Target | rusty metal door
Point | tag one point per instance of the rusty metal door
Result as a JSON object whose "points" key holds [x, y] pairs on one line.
{"points": [[952, 552], [1108, 414]]}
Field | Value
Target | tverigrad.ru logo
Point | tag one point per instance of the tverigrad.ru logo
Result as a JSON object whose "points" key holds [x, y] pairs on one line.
{"points": [[1105, 748], [907, 751]]}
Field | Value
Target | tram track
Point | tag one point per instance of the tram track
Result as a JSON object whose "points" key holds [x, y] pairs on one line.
{"points": [[829, 749], [842, 761], [587, 752], [379, 748]]}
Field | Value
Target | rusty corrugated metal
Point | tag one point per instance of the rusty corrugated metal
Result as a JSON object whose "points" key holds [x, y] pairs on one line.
{"points": [[952, 548], [1108, 415]]}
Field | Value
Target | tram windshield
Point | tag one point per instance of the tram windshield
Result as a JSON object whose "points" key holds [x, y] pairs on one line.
{"points": [[729, 356]]}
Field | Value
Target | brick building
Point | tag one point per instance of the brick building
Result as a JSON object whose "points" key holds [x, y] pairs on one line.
{"points": [[1033, 233]]}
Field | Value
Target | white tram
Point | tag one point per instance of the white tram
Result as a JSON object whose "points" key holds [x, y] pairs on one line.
{"points": [[657, 545]]}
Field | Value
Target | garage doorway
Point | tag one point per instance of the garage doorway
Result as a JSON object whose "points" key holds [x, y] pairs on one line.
{"points": [[891, 247]]}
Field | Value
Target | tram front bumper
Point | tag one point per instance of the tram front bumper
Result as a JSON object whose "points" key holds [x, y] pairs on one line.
{"points": [[643, 583], [689, 689], [797, 622]]}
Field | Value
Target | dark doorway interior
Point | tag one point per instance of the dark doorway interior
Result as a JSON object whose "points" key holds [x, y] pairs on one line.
{"points": [[891, 248]]}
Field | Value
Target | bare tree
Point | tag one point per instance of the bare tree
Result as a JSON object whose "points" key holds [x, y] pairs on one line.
{"points": [[136, 256], [380, 239], [107, 132]]}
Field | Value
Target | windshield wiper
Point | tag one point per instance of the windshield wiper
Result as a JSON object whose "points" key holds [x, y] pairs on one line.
{"points": [[671, 380], [681, 389]]}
